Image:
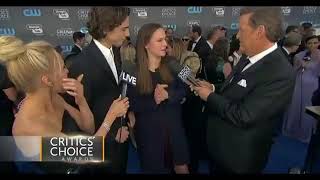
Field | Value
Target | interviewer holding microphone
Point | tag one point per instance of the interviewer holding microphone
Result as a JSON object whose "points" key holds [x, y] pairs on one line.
{"points": [[243, 115]]}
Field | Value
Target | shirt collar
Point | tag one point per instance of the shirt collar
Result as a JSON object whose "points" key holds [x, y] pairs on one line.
{"points": [[259, 56], [209, 43], [196, 41], [78, 46], [236, 55], [103, 48], [286, 50]]}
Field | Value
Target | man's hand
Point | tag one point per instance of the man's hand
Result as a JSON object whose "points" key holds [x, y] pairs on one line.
{"points": [[204, 90], [206, 84]]}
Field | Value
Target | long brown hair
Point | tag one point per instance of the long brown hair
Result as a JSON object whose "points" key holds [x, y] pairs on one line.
{"points": [[143, 75]]}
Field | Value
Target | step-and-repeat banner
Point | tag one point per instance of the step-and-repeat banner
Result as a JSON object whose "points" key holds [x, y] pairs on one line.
{"points": [[57, 24]]}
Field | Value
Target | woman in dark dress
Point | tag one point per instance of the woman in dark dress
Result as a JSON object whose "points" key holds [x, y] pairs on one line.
{"points": [[155, 104]]}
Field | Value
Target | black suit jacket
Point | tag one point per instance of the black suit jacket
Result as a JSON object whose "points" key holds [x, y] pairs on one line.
{"points": [[100, 89], [242, 119], [288, 56], [75, 50]]}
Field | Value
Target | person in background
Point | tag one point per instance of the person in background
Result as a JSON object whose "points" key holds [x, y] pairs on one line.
{"points": [[8, 97], [218, 67], [235, 52], [169, 33], [176, 48], [297, 124], [79, 43], [128, 51], [186, 40], [290, 45]]}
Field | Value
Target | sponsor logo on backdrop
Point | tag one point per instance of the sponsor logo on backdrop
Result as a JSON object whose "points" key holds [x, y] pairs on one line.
{"points": [[234, 26], [286, 10], [6, 31], [214, 25], [236, 11], [36, 29], [83, 14], [173, 26], [66, 48], [309, 10], [194, 10], [4, 14], [136, 30], [301, 22], [84, 30], [64, 32], [168, 12], [31, 12], [140, 12], [218, 11], [62, 14], [193, 22]]}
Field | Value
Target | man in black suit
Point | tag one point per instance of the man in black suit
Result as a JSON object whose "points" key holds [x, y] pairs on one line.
{"points": [[193, 106], [101, 66], [79, 42], [199, 45], [243, 115], [290, 45]]}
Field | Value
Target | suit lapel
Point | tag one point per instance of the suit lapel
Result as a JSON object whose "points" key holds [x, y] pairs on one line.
{"points": [[250, 69], [117, 59], [227, 81], [101, 61]]}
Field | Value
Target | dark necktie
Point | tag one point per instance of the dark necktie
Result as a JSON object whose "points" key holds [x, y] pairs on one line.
{"points": [[238, 69]]}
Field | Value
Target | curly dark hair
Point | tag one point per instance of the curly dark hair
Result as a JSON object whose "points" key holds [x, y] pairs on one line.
{"points": [[104, 19]]}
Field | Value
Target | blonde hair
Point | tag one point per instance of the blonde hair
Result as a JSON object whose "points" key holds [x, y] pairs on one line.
{"points": [[128, 53], [177, 47], [27, 62]]}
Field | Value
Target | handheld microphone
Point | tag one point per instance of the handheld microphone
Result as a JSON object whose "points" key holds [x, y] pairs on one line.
{"points": [[183, 72], [127, 77]]}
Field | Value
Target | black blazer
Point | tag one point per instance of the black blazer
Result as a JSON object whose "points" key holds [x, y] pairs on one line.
{"points": [[202, 48], [75, 50], [288, 56], [242, 119], [100, 89]]}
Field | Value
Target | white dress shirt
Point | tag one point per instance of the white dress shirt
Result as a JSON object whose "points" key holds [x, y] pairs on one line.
{"points": [[209, 43], [259, 56], [108, 54], [78, 46]]}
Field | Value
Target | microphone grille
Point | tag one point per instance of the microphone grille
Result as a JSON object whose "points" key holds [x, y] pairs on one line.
{"points": [[184, 73]]}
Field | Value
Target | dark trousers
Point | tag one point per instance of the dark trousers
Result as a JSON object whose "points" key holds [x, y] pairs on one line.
{"points": [[195, 127]]}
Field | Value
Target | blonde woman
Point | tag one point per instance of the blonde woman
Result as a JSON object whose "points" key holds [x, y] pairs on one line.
{"points": [[128, 52], [177, 49], [39, 71]]}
